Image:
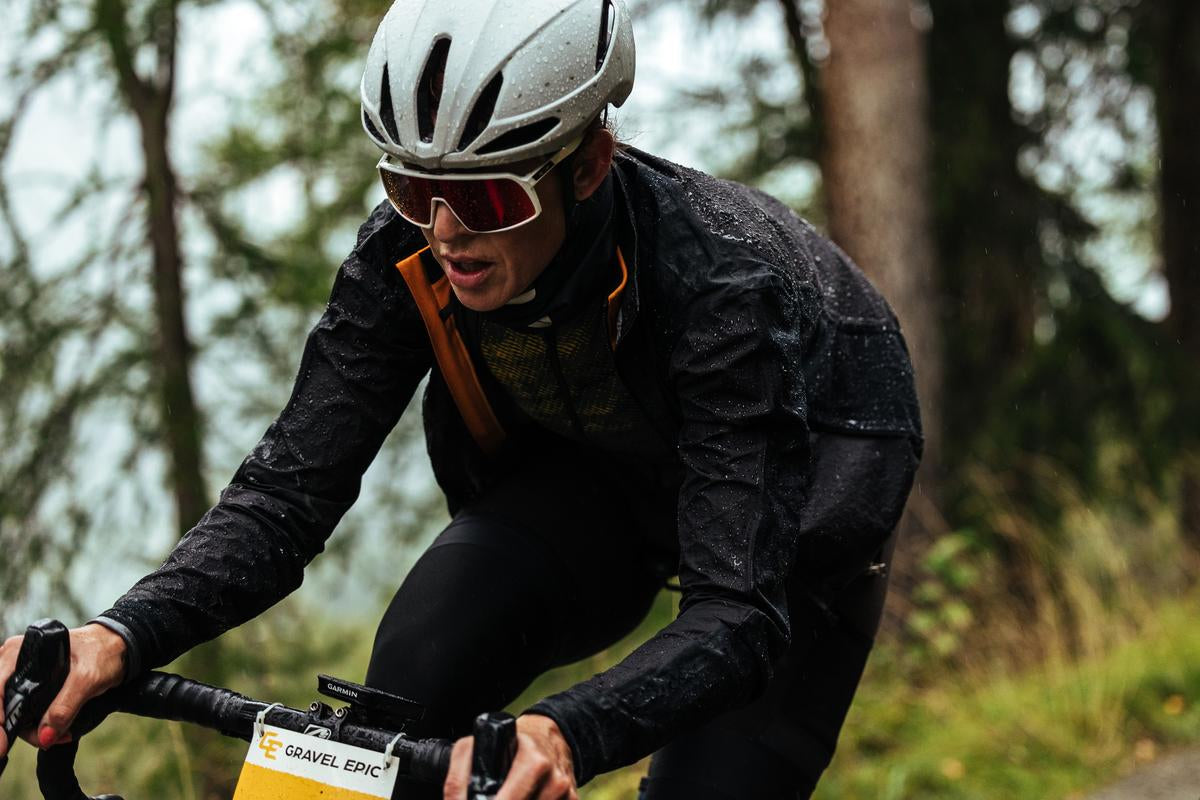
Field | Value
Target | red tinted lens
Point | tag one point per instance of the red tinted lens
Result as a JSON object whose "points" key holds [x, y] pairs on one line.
{"points": [[482, 205], [487, 205], [410, 196]]}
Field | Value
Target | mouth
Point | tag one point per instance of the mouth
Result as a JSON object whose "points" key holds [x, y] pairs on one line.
{"points": [[466, 273]]}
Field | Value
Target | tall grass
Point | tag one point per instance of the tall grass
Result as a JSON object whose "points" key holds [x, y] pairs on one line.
{"points": [[1053, 731], [1060, 586]]}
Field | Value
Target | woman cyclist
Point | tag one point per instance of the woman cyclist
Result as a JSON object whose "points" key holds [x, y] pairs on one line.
{"points": [[636, 371]]}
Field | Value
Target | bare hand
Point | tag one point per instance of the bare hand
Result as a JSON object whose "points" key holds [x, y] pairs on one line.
{"points": [[542, 769], [97, 665]]}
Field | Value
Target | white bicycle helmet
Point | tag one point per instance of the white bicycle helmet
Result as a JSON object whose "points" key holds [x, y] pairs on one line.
{"points": [[518, 78]]}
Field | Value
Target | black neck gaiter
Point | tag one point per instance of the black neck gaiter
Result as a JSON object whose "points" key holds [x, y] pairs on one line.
{"points": [[580, 272]]}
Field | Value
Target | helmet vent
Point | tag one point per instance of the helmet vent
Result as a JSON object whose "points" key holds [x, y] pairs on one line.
{"points": [[481, 114], [429, 89], [386, 112], [526, 134], [607, 17], [371, 129]]}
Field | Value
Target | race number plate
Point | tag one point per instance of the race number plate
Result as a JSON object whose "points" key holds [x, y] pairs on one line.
{"points": [[285, 765]]}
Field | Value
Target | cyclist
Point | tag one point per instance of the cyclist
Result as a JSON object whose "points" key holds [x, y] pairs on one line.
{"points": [[636, 371]]}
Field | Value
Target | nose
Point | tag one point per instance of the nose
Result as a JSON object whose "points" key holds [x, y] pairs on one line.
{"points": [[446, 225]]}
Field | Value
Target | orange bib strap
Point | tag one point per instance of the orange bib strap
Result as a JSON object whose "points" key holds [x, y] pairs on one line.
{"points": [[614, 300], [449, 349]]}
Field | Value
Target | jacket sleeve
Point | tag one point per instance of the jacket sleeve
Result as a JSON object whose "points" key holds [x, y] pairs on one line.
{"points": [[361, 364], [744, 446]]}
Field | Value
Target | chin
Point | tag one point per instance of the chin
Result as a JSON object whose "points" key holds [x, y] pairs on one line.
{"points": [[477, 303]]}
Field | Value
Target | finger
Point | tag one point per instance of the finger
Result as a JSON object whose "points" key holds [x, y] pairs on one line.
{"points": [[8, 665], [459, 775], [77, 690], [527, 776], [557, 786], [33, 736]]}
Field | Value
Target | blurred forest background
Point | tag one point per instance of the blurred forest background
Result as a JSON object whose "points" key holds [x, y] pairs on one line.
{"points": [[1020, 177]]}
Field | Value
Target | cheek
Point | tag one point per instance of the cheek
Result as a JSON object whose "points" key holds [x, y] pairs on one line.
{"points": [[551, 226], [530, 249]]}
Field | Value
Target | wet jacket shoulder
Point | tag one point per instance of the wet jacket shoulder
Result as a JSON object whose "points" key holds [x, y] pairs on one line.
{"points": [[361, 363], [704, 242], [761, 332]]}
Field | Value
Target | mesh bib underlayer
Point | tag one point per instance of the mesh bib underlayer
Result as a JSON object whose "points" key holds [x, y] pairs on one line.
{"points": [[564, 377]]}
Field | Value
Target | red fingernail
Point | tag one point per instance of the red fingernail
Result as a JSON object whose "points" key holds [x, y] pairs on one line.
{"points": [[47, 737]]}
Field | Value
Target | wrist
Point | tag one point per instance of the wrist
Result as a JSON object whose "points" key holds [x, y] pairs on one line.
{"points": [[116, 650], [583, 744], [550, 732]]}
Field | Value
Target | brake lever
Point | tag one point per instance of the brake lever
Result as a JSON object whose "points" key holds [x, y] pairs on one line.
{"points": [[493, 754], [42, 667]]}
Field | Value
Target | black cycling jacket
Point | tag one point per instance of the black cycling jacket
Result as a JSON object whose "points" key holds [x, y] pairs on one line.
{"points": [[742, 330]]}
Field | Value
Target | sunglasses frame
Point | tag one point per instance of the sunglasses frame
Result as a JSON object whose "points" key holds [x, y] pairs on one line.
{"points": [[527, 182]]}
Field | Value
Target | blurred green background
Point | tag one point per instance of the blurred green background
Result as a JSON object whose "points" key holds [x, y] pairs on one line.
{"points": [[179, 180]]}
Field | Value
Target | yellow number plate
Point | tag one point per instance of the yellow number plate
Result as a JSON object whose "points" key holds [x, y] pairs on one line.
{"points": [[285, 765]]}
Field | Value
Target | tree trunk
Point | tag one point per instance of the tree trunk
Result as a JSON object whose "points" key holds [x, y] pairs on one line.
{"points": [[149, 99], [181, 419], [1177, 90], [986, 214], [876, 162]]}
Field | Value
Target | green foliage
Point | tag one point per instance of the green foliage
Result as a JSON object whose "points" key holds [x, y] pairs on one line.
{"points": [[65, 349], [77, 334], [304, 124], [1119, 367], [763, 109], [941, 618], [1050, 732], [1019, 591]]}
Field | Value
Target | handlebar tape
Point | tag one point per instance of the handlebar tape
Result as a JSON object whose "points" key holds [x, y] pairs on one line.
{"points": [[162, 695], [56, 773]]}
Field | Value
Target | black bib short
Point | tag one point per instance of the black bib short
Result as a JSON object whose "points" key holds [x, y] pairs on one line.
{"points": [[563, 558]]}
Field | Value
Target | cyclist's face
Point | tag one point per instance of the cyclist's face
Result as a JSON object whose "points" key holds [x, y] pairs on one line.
{"points": [[486, 270]]}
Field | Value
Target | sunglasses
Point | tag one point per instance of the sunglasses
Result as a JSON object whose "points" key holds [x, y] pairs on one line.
{"points": [[482, 202]]}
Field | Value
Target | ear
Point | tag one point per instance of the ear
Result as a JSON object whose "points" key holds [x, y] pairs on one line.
{"points": [[593, 160]]}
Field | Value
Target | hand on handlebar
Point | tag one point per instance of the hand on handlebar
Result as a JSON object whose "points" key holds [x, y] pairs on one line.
{"points": [[97, 665], [542, 770]]}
